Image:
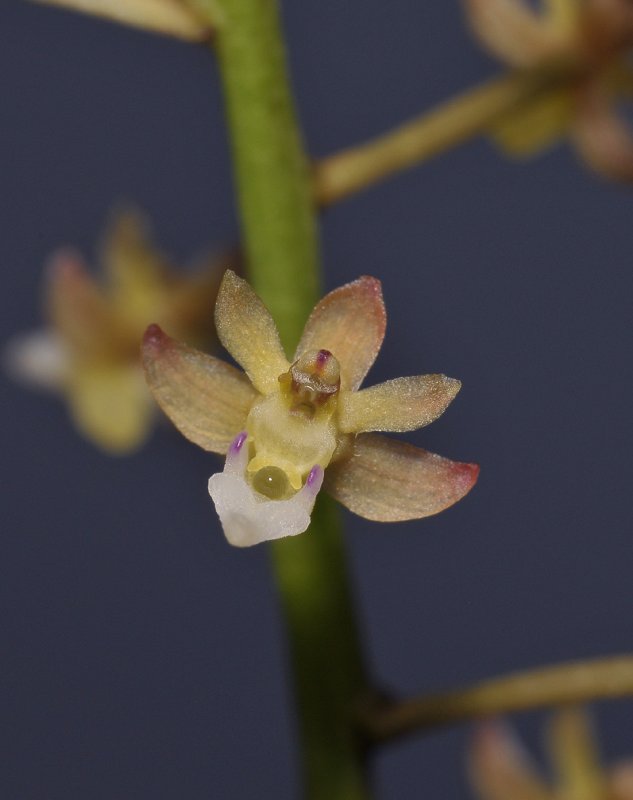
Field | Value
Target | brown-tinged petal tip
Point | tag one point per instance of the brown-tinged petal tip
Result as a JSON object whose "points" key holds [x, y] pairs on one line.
{"points": [[154, 336], [387, 480]]}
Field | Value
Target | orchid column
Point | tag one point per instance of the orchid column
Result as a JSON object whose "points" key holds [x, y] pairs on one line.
{"points": [[280, 238]]}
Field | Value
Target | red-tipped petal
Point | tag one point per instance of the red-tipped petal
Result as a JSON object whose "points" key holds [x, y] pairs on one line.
{"points": [[391, 481], [206, 399], [350, 322]]}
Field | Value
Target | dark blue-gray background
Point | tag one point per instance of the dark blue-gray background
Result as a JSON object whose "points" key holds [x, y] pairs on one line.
{"points": [[142, 657]]}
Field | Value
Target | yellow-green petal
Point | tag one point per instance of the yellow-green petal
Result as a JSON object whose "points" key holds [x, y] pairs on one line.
{"points": [[349, 322], [136, 273], [564, 15], [535, 124], [403, 404], [206, 399], [575, 755], [247, 330], [390, 481], [110, 405]]}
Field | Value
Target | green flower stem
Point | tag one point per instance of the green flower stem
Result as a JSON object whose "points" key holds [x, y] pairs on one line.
{"points": [[557, 685], [280, 238], [446, 126]]}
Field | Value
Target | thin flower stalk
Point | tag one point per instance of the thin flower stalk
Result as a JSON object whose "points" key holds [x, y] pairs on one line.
{"points": [[561, 684], [451, 124]]}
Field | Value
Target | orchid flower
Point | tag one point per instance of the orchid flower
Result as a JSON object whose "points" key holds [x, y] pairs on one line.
{"points": [[88, 352], [583, 45], [501, 769], [287, 428]]}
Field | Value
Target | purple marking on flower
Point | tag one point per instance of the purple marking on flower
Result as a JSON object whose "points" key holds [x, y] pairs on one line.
{"points": [[322, 358], [314, 474], [238, 442]]}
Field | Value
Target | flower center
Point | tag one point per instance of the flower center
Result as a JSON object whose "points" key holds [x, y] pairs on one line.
{"points": [[313, 379]]}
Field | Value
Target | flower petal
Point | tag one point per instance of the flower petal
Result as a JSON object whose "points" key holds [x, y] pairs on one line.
{"points": [[602, 137], [564, 15], [621, 781], [206, 399], [535, 124], [160, 16], [249, 518], [247, 330], [575, 755], [509, 30], [39, 358], [193, 295], [134, 268], [77, 306], [403, 404], [390, 481], [110, 405], [500, 768], [349, 322]]}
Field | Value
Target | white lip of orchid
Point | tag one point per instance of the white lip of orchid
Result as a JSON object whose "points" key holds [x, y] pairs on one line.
{"points": [[248, 517], [39, 358]]}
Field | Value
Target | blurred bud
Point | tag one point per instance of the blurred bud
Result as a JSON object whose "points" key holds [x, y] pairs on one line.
{"points": [[500, 768]]}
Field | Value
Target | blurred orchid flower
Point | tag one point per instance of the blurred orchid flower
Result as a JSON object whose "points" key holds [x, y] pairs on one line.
{"points": [[287, 427], [501, 769], [582, 46], [90, 350], [171, 17]]}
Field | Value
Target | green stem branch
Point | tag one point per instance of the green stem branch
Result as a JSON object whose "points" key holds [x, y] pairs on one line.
{"points": [[561, 684], [280, 238], [448, 125]]}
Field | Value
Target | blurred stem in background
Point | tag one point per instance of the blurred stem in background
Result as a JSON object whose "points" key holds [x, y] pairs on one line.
{"points": [[433, 132], [281, 241], [561, 684]]}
